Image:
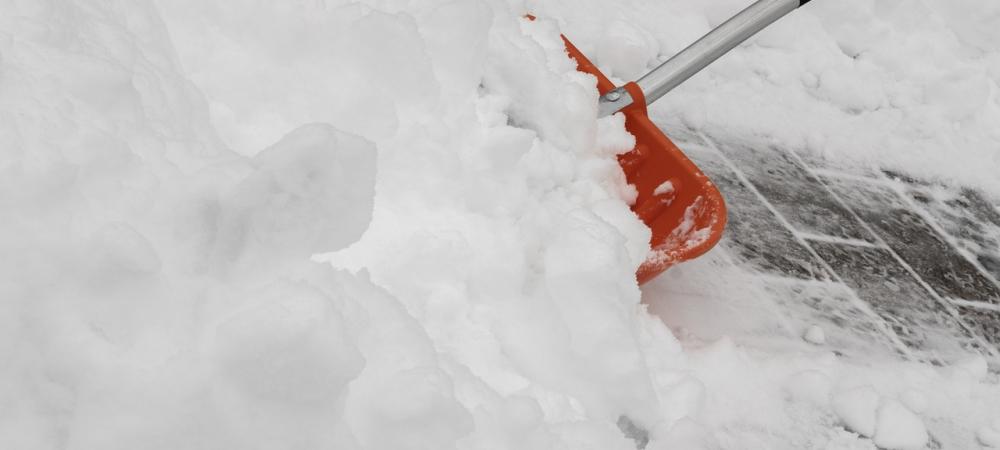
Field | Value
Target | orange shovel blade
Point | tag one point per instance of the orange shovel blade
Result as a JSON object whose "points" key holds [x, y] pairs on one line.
{"points": [[682, 207]]}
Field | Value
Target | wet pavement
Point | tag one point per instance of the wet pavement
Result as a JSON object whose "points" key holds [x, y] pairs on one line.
{"points": [[878, 259]]}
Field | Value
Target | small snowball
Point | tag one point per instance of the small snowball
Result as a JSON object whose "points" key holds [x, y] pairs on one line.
{"points": [[856, 409], [815, 335], [899, 428]]}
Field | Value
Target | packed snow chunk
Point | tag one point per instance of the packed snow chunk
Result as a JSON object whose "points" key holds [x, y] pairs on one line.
{"points": [[684, 399], [667, 187], [856, 408], [119, 248], [592, 435], [972, 369], [914, 400], [815, 335], [683, 434], [402, 387], [312, 190], [809, 386], [455, 33], [288, 345], [899, 428], [418, 406], [266, 67], [627, 50], [989, 435], [532, 70], [612, 137], [962, 95], [281, 359]]}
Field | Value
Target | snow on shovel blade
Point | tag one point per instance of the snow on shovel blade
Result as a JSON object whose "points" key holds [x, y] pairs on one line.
{"points": [[681, 206]]}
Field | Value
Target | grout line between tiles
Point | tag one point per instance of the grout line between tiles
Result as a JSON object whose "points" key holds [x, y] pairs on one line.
{"points": [[976, 305], [906, 266], [897, 187], [839, 240], [859, 303]]}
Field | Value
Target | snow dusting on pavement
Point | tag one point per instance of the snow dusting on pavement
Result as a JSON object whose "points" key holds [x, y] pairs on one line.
{"points": [[389, 224]]}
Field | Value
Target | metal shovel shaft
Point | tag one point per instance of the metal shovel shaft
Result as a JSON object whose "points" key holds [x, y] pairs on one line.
{"points": [[703, 52]]}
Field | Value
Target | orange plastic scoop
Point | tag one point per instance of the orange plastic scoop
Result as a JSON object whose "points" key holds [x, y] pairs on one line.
{"points": [[676, 200]]}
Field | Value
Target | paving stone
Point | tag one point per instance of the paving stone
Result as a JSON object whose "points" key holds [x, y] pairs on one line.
{"points": [[846, 167], [796, 194], [754, 235], [911, 311], [985, 322], [916, 242], [967, 216], [802, 293]]}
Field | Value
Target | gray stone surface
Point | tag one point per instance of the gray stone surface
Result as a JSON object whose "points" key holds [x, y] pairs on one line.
{"points": [[850, 328], [881, 261], [916, 241], [793, 191], [754, 234], [969, 217], [912, 312]]}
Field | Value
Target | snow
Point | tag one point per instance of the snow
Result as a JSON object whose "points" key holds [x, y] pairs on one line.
{"points": [[809, 386], [815, 335], [989, 436], [856, 407], [666, 188], [898, 427], [169, 169], [914, 400]]}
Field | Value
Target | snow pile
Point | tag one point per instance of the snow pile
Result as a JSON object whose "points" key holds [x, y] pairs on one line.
{"points": [[161, 207], [158, 291]]}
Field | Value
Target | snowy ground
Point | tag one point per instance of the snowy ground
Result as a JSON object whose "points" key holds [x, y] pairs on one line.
{"points": [[170, 168]]}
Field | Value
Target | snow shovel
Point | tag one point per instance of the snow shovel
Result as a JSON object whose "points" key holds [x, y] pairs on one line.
{"points": [[681, 206]]}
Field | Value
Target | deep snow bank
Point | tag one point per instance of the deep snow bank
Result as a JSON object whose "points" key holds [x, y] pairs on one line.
{"points": [[157, 287]]}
